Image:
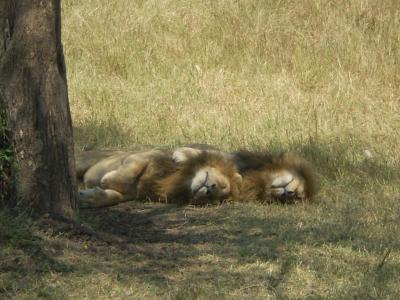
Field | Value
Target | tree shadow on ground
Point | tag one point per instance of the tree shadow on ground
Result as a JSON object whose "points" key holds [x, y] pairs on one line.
{"points": [[25, 255], [166, 239]]}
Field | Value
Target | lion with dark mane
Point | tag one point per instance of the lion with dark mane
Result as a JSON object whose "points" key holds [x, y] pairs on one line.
{"points": [[266, 178]]}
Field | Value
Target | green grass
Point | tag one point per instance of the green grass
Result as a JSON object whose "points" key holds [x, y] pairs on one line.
{"points": [[320, 78]]}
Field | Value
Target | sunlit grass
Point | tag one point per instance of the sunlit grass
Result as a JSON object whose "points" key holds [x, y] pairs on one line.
{"points": [[232, 73]]}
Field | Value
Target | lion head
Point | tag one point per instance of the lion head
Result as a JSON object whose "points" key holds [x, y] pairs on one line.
{"points": [[268, 178], [209, 176]]}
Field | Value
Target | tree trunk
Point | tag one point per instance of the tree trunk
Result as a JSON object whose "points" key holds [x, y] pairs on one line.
{"points": [[33, 88]]}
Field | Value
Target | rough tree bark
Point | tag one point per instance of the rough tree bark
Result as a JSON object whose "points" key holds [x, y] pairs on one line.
{"points": [[33, 88]]}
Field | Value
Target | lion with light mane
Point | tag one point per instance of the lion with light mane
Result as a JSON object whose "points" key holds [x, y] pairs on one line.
{"points": [[112, 177]]}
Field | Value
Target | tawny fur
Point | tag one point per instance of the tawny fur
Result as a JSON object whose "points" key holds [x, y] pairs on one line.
{"points": [[259, 168], [169, 182], [160, 178]]}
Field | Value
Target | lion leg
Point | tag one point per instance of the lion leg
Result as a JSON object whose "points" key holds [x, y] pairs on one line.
{"points": [[85, 160], [97, 197], [124, 178]]}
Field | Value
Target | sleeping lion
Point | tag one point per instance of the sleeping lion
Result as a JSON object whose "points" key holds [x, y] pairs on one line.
{"points": [[265, 177], [112, 177]]}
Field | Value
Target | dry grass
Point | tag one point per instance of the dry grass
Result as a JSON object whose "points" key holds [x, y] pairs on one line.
{"points": [[318, 77], [234, 73]]}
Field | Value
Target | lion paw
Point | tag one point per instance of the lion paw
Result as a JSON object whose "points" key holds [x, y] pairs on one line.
{"points": [[88, 198], [107, 180]]}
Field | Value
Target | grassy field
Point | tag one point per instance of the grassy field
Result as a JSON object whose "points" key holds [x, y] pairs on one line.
{"points": [[317, 77]]}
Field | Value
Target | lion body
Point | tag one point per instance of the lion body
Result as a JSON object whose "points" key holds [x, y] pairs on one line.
{"points": [[114, 177]]}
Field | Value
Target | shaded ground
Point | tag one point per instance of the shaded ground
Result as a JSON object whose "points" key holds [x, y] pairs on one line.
{"points": [[233, 251]]}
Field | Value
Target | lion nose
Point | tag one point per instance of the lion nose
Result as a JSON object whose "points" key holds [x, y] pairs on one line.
{"points": [[210, 189], [288, 193]]}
